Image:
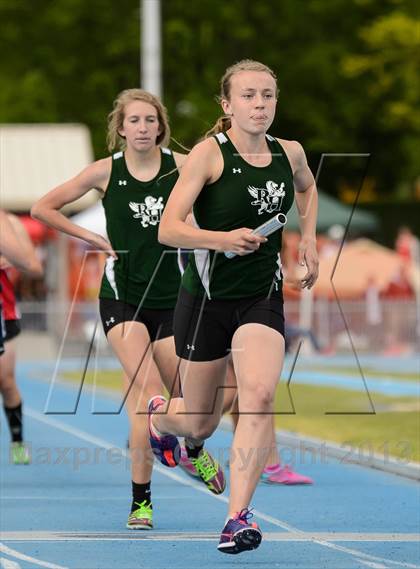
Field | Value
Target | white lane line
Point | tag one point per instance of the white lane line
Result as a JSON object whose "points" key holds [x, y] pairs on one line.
{"points": [[102, 443], [373, 565], [23, 557], [7, 564], [366, 556], [202, 536], [168, 473]]}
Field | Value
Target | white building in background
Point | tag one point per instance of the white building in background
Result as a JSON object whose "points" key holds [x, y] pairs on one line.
{"points": [[34, 158]]}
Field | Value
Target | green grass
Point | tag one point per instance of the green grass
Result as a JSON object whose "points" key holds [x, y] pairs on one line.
{"points": [[333, 414], [106, 379], [344, 416]]}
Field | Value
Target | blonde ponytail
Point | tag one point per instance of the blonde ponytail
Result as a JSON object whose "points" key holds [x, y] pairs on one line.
{"points": [[221, 125]]}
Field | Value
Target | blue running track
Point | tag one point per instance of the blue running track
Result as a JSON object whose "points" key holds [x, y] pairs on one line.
{"points": [[69, 507]]}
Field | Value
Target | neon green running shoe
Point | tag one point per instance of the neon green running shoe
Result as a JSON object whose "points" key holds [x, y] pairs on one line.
{"points": [[19, 453], [210, 472], [142, 518]]}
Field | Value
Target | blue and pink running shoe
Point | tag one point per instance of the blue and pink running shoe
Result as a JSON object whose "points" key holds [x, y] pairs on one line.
{"points": [[239, 535], [165, 447]]}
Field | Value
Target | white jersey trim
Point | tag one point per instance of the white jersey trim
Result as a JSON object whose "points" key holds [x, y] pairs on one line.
{"points": [[180, 264], [166, 150], [202, 262], [221, 137], [279, 267], [110, 275], [117, 155]]}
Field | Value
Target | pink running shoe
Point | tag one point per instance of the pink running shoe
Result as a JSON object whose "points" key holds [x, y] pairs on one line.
{"points": [[284, 475], [186, 465]]}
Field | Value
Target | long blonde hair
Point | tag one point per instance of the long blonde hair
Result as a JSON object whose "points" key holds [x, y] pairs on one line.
{"points": [[223, 123], [116, 117]]}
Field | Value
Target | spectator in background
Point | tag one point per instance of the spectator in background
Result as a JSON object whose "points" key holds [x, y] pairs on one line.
{"points": [[406, 244], [374, 316], [293, 332], [398, 291], [331, 246]]}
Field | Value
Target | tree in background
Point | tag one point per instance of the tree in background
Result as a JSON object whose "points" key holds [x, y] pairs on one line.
{"points": [[348, 71], [390, 70]]}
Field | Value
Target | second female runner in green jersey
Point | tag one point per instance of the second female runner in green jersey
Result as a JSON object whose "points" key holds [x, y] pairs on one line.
{"points": [[141, 277]]}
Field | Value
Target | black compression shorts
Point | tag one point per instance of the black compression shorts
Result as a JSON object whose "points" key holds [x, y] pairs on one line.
{"points": [[204, 331], [159, 323], [12, 329]]}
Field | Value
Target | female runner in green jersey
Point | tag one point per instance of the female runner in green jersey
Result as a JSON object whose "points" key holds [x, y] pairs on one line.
{"points": [[141, 277], [235, 180]]}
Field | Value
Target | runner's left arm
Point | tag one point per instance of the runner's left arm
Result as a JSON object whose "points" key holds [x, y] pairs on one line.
{"points": [[306, 196]]}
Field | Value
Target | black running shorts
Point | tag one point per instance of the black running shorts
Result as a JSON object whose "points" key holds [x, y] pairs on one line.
{"points": [[159, 323], [204, 332], [12, 329]]}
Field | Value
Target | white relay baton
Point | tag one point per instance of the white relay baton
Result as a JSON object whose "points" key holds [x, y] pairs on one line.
{"points": [[266, 229]]}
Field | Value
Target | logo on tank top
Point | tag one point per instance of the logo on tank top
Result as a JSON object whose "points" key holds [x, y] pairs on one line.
{"points": [[149, 211], [268, 199]]}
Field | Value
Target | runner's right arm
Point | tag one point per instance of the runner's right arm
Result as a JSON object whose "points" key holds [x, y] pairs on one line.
{"points": [[47, 209], [201, 167]]}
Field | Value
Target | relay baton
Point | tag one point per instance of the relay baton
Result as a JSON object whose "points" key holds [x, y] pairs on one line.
{"points": [[266, 229]]}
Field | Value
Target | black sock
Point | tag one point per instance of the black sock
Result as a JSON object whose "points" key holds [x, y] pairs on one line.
{"points": [[141, 492], [14, 418], [193, 451]]}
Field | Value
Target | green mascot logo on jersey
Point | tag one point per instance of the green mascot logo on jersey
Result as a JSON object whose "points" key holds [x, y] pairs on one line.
{"points": [[270, 198], [149, 212]]}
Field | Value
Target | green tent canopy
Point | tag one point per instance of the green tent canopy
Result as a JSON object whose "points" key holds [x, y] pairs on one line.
{"points": [[332, 212]]}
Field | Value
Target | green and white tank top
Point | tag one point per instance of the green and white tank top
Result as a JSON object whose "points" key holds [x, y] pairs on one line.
{"points": [[244, 196], [145, 272]]}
